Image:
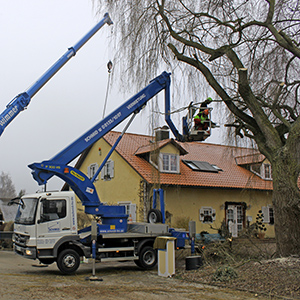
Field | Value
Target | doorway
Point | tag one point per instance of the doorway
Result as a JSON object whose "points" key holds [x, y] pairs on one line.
{"points": [[235, 218]]}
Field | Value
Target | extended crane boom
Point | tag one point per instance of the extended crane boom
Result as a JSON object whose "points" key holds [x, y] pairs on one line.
{"points": [[77, 180], [21, 101]]}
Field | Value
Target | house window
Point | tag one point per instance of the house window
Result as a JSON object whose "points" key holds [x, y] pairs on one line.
{"points": [[267, 171], [240, 219], [262, 170], [169, 163], [130, 210], [268, 214], [207, 214], [107, 173], [92, 169]]}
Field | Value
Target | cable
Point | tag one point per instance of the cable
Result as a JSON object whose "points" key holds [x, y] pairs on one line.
{"points": [[109, 69]]}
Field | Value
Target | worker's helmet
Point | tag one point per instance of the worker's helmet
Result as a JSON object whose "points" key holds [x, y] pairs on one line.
{"points": [[209, 99], [206, 111]]}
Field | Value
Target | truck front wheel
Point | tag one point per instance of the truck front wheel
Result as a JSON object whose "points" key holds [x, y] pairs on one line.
{"points": [[68, 261], [147, 258]]}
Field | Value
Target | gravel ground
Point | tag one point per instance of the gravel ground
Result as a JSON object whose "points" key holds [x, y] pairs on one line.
{"points": [[278, 278], [25, 279]]}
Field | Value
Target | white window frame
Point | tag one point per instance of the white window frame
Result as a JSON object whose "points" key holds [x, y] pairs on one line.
{"points": [[266, 213], [108, 171], [130, 209], [207, 211], [262, 172], [169, 157], [91, 171], [264, 166]]}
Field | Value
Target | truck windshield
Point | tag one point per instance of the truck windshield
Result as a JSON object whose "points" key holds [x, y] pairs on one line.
{"points": [[26, 211]]}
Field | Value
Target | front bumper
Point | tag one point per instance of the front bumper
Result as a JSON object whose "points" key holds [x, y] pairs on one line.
{"points": [[27, 252]]}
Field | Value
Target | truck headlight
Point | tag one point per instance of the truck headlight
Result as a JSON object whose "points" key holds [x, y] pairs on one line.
{"points": [[28, 252]]}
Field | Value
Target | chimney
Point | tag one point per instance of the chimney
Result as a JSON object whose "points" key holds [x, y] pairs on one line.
{"points": [[161, 133]]}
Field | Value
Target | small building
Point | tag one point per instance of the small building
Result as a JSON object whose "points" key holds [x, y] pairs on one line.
{"points": [[214, 185]]}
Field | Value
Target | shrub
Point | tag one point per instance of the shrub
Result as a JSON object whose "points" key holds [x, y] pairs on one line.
{"points": [[224, 273]]}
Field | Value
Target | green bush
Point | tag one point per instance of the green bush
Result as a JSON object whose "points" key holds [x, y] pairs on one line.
{"points": [[224, 273]]}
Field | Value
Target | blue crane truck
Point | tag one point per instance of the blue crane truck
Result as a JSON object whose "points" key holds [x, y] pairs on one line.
{"points": [[46, 223]]}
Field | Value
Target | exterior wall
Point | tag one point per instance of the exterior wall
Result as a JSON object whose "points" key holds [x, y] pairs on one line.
{"points": [[186, 202], [124, 186], [169, 149]]}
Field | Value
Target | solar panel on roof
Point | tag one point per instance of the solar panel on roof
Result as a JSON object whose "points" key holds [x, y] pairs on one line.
{"points": [[202, 166]]}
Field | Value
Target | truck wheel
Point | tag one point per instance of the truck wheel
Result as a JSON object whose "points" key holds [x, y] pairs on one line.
{"points": [[154, 216], [68, 261], [147, 258]]}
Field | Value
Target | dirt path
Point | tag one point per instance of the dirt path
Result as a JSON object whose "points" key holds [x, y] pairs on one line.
{"points": [[25, 279]]}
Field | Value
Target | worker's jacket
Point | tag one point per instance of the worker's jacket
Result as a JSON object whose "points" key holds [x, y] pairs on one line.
{"points": [[200, 119]]}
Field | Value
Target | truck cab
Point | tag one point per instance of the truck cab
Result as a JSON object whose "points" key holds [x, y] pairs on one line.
{"points": [[45, 221]]}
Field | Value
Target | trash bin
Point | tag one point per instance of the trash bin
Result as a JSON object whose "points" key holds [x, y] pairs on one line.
{"points": [[166, 255], [193, 262]]}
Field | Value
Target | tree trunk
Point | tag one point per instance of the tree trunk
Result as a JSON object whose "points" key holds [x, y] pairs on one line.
{"points": [[286, 202]]}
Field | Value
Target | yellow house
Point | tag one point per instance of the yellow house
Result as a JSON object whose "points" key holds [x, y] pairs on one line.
{"points": [[214, 185]]}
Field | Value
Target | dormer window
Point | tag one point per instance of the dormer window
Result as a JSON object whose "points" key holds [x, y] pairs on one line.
{"points": [[169, 163], [263, 170], [267, 171]]}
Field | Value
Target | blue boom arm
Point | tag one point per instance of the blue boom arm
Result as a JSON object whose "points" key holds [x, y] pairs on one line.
{"points": [[78, 181], [21, 101]]}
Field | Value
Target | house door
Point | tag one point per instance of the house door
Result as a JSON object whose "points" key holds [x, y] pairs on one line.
{"points": [[235, 218]]}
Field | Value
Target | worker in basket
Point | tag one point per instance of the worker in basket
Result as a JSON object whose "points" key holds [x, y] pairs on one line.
{"points": [[201, 120]]}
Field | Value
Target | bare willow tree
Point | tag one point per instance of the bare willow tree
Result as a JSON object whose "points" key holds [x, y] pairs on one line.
{"points": [[248, 52]]}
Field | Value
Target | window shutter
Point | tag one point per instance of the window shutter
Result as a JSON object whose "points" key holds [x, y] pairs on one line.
{"points": [[201, 214], [96, 169], [108, 170], [132, 211], [265, 212], [111, 168], [92, 169], [213, 214]]}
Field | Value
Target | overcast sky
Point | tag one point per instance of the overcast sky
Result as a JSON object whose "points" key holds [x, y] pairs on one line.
{"points": [[34, 34]]}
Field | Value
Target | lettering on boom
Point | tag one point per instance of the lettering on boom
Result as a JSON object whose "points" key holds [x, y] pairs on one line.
{"points": [[5, 119], [110, 121], [93, 134], [103, 126], [129, 106]]}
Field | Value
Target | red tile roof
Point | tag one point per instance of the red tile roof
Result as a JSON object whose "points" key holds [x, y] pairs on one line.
{"points": [[231, 176]]}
